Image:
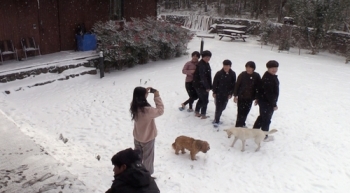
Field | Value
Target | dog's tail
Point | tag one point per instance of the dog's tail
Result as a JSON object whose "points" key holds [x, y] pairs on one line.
{"points": [[271, 131], [174, 146]]}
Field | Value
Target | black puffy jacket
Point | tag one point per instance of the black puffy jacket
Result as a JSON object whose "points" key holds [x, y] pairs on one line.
{"points": [[224, 83], [135, 179], [202, 76], [269, 89]]}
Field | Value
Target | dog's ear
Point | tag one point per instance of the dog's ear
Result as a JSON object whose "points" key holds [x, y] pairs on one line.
{"points": [[204, 147], [198, 144]]}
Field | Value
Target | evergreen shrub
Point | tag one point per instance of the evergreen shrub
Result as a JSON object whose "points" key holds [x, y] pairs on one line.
{"points": [[141, 40]]}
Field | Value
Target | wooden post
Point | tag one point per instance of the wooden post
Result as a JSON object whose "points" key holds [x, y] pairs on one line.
{"points": [[202, 45], [102, 67]]}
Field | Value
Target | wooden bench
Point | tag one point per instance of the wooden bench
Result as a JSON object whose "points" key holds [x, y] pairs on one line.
{"points": [[233, 37], [219, 27], [230, 26], [205, 36], [233, 34]]}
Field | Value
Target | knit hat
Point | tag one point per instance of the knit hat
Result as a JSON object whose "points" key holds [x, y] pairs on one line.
{"points": [[227, 63], [250, 64], [272, 64], [206, 53], [127, 157]]}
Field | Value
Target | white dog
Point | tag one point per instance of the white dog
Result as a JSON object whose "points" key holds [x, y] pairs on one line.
{"points": [[244, 133]]}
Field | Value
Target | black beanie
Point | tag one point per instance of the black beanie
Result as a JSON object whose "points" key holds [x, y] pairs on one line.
{"points": [[272, 64], [227, 63], [250, 64], [196, 53], [206, 53], [127, 157]]}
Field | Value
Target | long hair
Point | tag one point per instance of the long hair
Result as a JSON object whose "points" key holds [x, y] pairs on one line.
{"points": [[139, 102]]}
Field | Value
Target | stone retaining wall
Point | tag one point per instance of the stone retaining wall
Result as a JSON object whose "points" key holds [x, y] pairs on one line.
{"points": [[51, 69]]}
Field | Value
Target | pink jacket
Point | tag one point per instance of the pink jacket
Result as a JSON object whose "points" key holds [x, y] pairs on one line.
{"points": [[145, 128], [189, 69]]}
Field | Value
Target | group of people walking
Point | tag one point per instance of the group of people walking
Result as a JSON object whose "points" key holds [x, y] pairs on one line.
{"points": [[133, 167], [247, 88]]}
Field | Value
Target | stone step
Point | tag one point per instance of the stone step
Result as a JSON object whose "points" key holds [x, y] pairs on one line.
{"points": [[42, 69], [43, 78]]}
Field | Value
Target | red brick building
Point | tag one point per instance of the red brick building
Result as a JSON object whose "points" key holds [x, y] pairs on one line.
{"points": [[52, 23]]}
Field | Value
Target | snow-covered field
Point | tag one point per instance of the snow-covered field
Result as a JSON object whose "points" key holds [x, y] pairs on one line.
{"points": [[307, 155]]}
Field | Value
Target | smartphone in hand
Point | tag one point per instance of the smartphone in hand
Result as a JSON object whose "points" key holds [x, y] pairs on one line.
{"points": [[152, 90]]}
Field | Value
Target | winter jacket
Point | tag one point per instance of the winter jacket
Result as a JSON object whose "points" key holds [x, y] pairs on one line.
{"points": [[224, 83], [145, 128], [247, 85], [202, 76], [269, 89], [134, 180], [189, 69]]}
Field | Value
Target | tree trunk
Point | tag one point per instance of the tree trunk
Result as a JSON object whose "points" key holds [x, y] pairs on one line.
{"points": [[265, 7], [258, 9], [280, 11], [206, 6], [252, 8], [313, 46], [239, 8]]}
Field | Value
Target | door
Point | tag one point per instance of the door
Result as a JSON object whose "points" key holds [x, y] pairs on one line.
{"points": [[48, 21]]}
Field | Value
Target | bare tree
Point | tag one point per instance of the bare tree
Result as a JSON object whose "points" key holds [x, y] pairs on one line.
{"points": [[347, 54], [317, 17], [299, 39]]}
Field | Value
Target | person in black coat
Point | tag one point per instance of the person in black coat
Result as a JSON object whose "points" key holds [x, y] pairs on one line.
{"points": [[267, 97], [130, 176], [223, 87], [202, 82], [245, 92]]}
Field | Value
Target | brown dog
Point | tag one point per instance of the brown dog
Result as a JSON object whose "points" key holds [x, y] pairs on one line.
{"points": [[193, 145]]}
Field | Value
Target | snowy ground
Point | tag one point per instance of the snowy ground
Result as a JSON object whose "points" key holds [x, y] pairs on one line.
{"points": [[26, 166], [307, 155]]}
